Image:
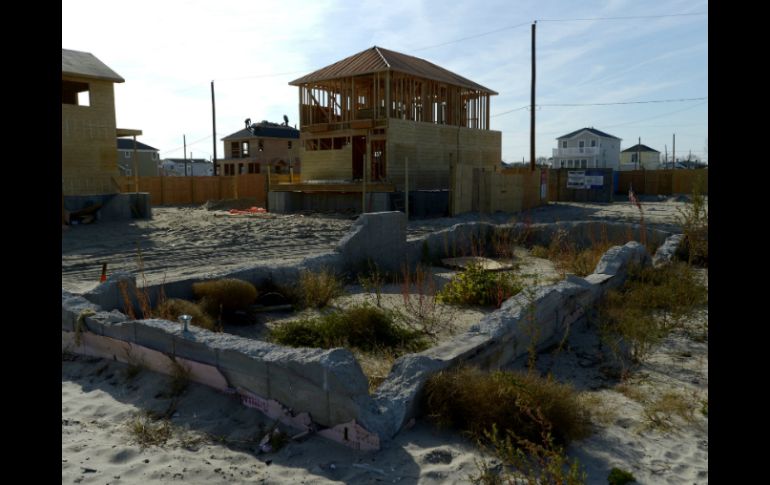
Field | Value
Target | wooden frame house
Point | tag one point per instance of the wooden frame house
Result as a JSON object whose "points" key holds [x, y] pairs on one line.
{"points": [[363, 116]]}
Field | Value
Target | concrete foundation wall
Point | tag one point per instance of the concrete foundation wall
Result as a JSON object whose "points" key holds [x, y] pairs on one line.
{"points": [[288, 202], [329, 384], [115, 207]]}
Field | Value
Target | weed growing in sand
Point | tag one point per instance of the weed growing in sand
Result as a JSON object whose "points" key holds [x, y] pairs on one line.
{"points": [[472, 401], [526, 461], [376, 365], [598, 409], [694, 219], [180, 378], [134, 365], [568, 258], [477, 286], [373, 281], [619, 477], [523, 419], [652, 302], [660, 413], [147, 432], [317, 289], [363, 326], [421, 310]]}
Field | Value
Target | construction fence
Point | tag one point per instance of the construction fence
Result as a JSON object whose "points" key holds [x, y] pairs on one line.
{"points": [[662, 182], [580, 185], [197, 190], [491, 190]]}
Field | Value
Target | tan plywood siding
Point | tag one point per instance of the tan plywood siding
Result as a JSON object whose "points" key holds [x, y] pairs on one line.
{"points": [[89, 149], [327, 164], [432, 148]]}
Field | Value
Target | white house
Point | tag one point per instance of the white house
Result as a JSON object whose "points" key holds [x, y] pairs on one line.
{"points": [[180, 167], [587, 148]]}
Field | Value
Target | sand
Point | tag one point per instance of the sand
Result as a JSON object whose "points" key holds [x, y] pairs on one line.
{"points": [[214, 439]]}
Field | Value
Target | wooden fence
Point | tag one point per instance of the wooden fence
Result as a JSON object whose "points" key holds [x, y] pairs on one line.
{"points": [[487, 191], [197, 190], [662, 182]]}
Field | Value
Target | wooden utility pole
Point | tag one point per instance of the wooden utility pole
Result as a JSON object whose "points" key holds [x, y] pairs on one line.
{"points": [[214, 127], [665, 162], [532, 107], [363, 188]]}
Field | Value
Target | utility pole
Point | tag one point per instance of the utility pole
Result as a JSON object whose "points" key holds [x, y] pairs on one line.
{"points": [[184, 140], [665, 163], [532, 107], [214, 127], [673, 153]]}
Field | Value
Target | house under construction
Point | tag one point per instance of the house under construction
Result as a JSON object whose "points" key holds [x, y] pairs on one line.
{"points": [[361, 118]]}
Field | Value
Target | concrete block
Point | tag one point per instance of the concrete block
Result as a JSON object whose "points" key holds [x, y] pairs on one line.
{"points": [[108, 295], [245, 371], [666, 252], [157, 335], [298, 393], [72, 306], [379, 237], [190, 346]]}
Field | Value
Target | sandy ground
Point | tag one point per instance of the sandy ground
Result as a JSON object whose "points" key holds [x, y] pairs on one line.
{"points": [[185, 241], [214, 439]]}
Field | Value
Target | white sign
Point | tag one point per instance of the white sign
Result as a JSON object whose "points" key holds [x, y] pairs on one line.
{"points": [[576, 179]]}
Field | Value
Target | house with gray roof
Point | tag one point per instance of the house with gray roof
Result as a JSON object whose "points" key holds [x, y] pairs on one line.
{"points": [[260, 146], [587, 148]]}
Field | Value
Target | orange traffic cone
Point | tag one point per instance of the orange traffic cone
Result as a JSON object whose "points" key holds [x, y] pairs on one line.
{"points": [[103, 278]]}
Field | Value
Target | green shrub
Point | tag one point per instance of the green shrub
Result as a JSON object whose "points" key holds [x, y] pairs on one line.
{"points": [[619, 477], [316, 290], [363, 326], [473, 401], [172, 308], [694, 219], [651, 303], [229, 294], [477, 286]]}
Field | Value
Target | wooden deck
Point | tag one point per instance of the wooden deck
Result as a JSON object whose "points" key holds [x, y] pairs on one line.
{"points": [[332, 187]]}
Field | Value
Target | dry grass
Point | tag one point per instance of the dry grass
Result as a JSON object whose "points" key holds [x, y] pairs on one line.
{"points": [[376, 365], [316, 290], [472, 401], [171, 310], [661, 413], [597, 407], [148, 432], [227, 294]]}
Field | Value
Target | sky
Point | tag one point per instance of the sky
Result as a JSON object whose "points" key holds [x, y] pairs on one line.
{"points": [[170, 51]]}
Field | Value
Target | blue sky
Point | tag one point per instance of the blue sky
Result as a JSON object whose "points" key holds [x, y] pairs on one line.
{"points": [[169, 51]]}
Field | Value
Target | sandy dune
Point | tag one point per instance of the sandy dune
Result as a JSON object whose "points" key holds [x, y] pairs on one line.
{"points": [[214, 439]]}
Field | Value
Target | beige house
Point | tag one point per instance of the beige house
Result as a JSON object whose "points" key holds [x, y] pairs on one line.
{"points": [[88, 131], [639, 157], [363, 116], [261, 145]]}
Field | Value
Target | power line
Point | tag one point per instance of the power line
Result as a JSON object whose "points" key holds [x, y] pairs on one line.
{"points": [[189, 144], [625, 18], [509, 111], [628, 102], [473, 36], [603, 104]]}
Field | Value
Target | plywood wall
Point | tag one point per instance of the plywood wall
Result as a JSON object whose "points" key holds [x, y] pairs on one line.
{"points": [[89, 147]]}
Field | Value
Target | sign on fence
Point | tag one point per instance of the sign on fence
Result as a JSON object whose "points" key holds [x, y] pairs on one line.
{"points": [[576, 179], [585, 179], [594, 179]]}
